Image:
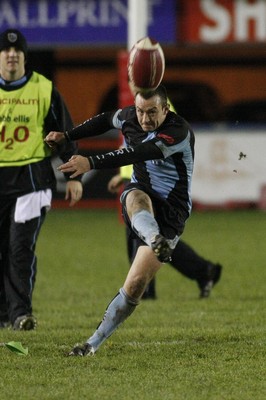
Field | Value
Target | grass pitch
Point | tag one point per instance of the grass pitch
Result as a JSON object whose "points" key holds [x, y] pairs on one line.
{"points": [[174, 348]]}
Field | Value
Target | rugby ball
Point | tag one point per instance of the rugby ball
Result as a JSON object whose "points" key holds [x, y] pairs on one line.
{"points": [[146, 65]]}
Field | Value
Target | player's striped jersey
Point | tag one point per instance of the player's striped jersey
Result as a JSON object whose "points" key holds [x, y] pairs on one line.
{"points": [[171, 175]]}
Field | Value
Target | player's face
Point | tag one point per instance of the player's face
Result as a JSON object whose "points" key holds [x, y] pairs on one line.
{"points": [[12, 64], [151, 113]]}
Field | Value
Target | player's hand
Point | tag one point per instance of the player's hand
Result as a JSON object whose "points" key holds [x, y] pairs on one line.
{"points": [[77, 164], [115, 183], [74, 192], [53, 138]]}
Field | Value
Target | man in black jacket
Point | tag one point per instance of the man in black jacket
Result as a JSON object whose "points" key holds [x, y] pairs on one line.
{"points": [[30, 106]]}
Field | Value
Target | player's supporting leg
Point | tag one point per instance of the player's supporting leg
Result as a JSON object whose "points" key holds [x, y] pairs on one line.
{"points": [[120, 308], [144, 267], [116, 313], [132, 248]]}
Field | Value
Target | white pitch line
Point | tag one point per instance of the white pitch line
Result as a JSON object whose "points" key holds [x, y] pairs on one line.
{"points": [[164, 343]]}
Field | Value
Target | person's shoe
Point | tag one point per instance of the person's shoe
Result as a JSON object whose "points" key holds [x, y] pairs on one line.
{"points": [[25, 323], [4, 324], [161, 248], [213, 276], [82, 350]]}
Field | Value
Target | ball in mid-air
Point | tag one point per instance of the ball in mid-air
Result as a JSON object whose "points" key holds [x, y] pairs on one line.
{"points": [[146, 65]]}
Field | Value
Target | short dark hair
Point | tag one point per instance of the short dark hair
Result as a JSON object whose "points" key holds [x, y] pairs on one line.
{"points": [[159, 91]]}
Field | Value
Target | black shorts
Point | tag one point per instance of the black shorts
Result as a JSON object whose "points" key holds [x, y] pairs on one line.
{"points": [[170, 220]]}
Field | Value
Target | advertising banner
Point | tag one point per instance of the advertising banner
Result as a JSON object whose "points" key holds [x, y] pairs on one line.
{"points": [[230, 166], [53, 23], [223, 21]]}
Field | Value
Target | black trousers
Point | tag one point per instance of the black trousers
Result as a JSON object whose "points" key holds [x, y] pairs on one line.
{"points": [[184, 259], [18, 262]]}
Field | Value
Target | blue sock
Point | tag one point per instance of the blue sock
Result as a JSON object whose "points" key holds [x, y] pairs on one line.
{"points": [[145, 225], [121, 307]]}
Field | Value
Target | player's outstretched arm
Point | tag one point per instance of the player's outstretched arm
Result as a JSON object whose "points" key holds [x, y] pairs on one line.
{"points": [[115, 183], [53, 138], [77, 164]]}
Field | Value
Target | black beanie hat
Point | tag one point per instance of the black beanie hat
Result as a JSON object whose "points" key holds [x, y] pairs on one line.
{"points": [[13, 38]]}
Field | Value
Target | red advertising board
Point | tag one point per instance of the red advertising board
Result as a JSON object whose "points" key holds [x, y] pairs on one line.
{"points": [[223, 21]]}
